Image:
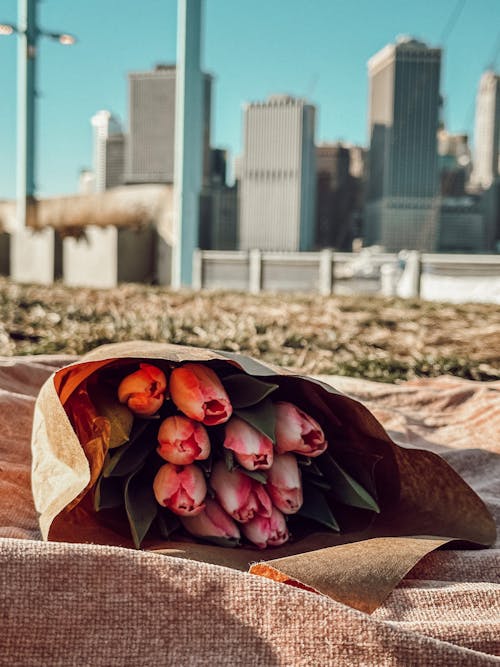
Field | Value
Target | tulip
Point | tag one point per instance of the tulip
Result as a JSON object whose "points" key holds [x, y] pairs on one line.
{"points": [[267, 531], [241, 497], [183, 441], [144, 390], [211, 522], [297, 432], [198, 393], [284, 485], [252, 449], [180, 488]]}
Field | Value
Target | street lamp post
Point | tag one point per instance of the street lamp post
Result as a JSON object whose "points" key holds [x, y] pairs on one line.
{"points": [[188, 162], [28, 32]]}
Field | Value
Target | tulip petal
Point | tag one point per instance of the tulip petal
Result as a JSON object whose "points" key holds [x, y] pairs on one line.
{"points": [[267, 531], [198, 392], [213, 521], [144, 390], [253, 450], [180, 488], [182, 440], [297, 431]]}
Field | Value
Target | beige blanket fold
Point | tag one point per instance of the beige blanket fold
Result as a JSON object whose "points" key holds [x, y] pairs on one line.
{"points": [[69, 604]]}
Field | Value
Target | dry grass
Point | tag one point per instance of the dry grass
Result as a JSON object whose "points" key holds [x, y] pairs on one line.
{"points": [[380, 339]]}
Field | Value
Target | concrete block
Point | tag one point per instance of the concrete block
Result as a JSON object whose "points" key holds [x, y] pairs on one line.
{"points": [[32, 256], [91, 260]]}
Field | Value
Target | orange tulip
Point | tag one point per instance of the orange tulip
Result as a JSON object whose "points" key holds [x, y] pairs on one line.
{"points": [[198, 393], [180, 488], [267, 531], [183, 441], [297, 431], [144, 390], [252, 449]]}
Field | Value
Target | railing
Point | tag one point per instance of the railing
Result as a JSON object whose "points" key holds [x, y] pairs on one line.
{"points": [[330, 272]]}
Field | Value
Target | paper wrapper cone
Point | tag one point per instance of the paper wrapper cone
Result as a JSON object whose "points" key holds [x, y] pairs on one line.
{"points": [[424, 504]]}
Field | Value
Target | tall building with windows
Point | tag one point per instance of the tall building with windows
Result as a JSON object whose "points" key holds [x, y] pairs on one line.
{"points": [[486, 165], [277, 175], [151, 141], [108, 151], [402, 208]]}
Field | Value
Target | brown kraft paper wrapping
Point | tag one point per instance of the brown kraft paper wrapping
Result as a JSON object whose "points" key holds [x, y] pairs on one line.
{"points": [[424, 503]]}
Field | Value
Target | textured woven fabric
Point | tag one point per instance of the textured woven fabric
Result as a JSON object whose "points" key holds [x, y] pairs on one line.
{"points": [[65, 604]]}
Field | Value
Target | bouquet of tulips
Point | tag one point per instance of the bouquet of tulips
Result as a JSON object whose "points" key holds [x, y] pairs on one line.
{"points": [[187, 451], [201, 449]]}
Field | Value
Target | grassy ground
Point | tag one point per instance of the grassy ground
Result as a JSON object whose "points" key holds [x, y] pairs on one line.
{"points": [[375, 338]]}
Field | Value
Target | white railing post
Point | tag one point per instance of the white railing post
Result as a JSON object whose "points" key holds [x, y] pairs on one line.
{"points": [[197, 279], [254, 271], [325, 272]]}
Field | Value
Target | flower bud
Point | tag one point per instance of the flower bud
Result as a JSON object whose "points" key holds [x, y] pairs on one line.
{"points": [[267, 531], [198, 393], [180, 488], [183, 441], [252, 449], [211, 522], [144, 390], [284, 485], [241, 497], [297, 432]]}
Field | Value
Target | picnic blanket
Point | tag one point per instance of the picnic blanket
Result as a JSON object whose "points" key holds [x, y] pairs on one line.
{"points": [[66, 604]]}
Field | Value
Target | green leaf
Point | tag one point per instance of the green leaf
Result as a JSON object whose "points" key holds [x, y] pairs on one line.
{"points": [[311, 473], [245, 390], [120, 417], [316, 507], [108, 493], [257, 475], [167, 523], [131, 455], [140, 505], [319, 481], [261, 416], [344, 488]]}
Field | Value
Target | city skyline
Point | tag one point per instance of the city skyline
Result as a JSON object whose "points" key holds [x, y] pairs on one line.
{"points": [[300, 71]]}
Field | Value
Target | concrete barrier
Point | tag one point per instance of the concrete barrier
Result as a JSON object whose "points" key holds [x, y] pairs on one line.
{"points": [[35, 256]]}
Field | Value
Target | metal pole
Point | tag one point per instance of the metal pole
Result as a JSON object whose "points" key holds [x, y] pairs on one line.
{"points": [[26, 87], [188, 162]]}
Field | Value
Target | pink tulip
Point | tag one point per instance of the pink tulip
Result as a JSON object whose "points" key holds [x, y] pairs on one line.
{"points": [[267, 531], [211, 522], [241, 496], [183, 441], [284, 485], [252, 449], [180, 488], [198, 393], [297, 432], [144, 390]]}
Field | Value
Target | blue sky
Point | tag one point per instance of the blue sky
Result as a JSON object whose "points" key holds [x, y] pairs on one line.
{"points": [[312, 48]]}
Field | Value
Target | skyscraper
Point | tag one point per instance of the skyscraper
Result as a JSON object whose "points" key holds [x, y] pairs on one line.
{"points": [[486, 166], [277, 199], [151, 142], [338, 194], [403, 186], [108, 152]]}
